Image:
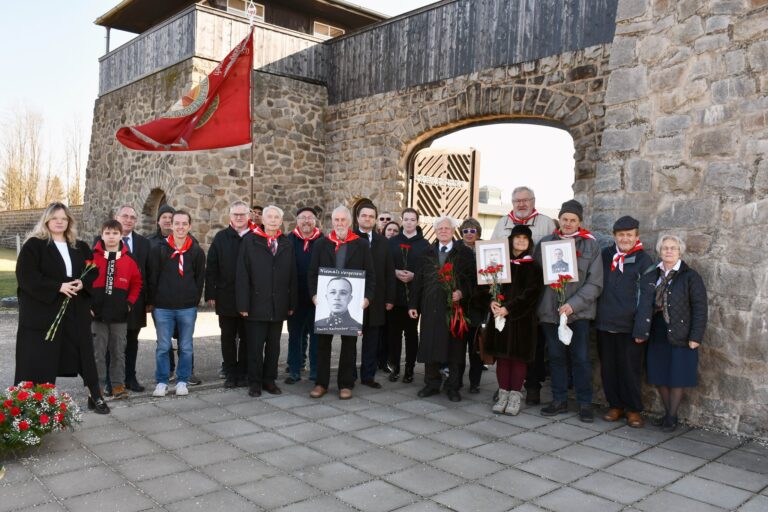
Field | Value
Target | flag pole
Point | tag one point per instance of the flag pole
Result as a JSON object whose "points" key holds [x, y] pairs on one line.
{"points": [[251, 17]]}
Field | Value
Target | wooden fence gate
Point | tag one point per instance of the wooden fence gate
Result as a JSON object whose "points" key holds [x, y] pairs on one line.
{"points": [[444, 182]]}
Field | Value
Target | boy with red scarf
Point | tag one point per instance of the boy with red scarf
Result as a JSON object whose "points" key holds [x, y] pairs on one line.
{"points": [[114, 293], [175, 279]]}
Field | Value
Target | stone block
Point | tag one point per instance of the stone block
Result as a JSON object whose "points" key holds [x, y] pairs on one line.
{"points": [[626, 85], [669, 145], [688, 214], [623, 52], [713, 143], [629, 9], [638, 176], [565, 498], [757, 54], [711, 43], [689, 30], [671, 124], [717, 23], [727, 175], [607, 177], [667, 78], [732, 89], [710, 492], [735, 62], [679, 178], [622, 139]]}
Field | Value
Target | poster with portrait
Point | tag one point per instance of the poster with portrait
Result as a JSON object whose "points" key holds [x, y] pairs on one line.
{"points": [[559, 257], [493, 252], [340, 295]]}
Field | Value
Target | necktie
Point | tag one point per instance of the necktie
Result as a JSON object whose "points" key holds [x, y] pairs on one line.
{"points": [[273, 246], [443, 254], [126, 244]]}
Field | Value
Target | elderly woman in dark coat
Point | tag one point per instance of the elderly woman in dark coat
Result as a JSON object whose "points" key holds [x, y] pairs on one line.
{"points": [[436, 343], [48, 271], [515, 345], [672, 313]]}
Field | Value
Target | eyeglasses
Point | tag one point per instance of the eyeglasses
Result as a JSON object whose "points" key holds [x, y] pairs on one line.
{"points": [[469, 230], [305, 218], [382, 219], [238, 214], [518, 201]]}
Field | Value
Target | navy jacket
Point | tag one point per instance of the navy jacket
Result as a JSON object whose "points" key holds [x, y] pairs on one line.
{"points": [[220, 271], [617, 305], [303, 259]]}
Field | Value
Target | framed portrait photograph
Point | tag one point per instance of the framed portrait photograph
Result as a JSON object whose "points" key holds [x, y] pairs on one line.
{"points": [[340, 295], [493, 252], [559, 257]]}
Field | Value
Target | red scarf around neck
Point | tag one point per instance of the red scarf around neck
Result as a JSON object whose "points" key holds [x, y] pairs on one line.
{"points": [[581, 233], [258, 231], [180, 252], [313, 236], [525, 259], [333, 238], [618, 258], [517, 220]]}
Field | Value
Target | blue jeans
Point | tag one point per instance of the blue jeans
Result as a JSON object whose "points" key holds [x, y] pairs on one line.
{"points": [[300, 326], [580, 360], [165, 322]]}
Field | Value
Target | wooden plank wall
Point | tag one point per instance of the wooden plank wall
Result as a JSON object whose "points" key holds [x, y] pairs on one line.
{"points": [[460, 37]]}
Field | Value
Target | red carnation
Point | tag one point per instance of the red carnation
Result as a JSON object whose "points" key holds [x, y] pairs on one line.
{"points": [[23, 425], [578, 254], [38, 396], [63, 407], [23, 395], [88, 263], [27, 385], [555, 286], [8, 403], [405, 246], [15, 411], [448, 267], [12, 388], [499, 297], [2, 417], [44, 419], [52, 400], [59, 417]]}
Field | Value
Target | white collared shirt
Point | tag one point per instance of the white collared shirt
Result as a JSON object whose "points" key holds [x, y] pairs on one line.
{"points": [[666, 272], [449, 245]]}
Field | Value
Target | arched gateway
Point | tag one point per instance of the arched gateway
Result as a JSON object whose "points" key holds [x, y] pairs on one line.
{"points": [[664, 100]]}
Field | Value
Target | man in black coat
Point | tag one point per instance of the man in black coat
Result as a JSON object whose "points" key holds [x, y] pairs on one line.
{"points": [[220, 292], [383, 300], [138, 247], [341, 249], [265, 294]]}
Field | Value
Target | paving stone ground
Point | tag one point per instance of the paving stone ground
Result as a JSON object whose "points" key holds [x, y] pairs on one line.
{"points": [[383, 450]]}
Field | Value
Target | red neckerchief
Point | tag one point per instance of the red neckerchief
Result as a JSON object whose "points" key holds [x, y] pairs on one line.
{"points": [[313, 236], [581, 233], [333, 238], [522, 221], [258, 231], [180, 252], [525, 259], [618, 258]]}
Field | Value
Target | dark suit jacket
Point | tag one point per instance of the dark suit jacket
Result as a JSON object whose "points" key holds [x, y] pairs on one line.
{"points": [[358, 258], [220, 271], [384, 268], [137, 318]]}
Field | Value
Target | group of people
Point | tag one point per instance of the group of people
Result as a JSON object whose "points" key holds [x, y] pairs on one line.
{"points": [[257, 277]]}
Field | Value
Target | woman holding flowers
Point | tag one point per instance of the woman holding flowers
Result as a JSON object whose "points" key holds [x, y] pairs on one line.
{"points": [[515, 345], [55, 274]]}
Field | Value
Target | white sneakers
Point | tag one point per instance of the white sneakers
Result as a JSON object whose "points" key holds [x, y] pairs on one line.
{"points": [[181, 389], [160, 390], [508, 402], [501, 403]]}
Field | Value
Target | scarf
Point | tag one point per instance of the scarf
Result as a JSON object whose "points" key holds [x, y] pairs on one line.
{"points": [[581, 233], [180, 252], [618, 258], [518, 221], [525, 259], [333, 238], [661, 292], [271, 240], [313, 236], [111, 258]]}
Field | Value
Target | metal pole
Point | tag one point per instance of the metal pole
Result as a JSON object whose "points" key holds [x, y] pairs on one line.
{"points": [[18, 244], [108, 29]]}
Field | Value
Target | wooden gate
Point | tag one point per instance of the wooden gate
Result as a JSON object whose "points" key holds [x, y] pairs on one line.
{"points": [[444, 182]]}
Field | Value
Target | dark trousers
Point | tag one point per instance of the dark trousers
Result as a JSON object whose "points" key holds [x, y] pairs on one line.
{"points": [[369, 358], [131, 352], [382, 351], [536, 373], [475, 363], [301, 336], [263, 351], [234, 347], [402, 323], [621, 368], [347, 361], [558, 361], [432, 376]]}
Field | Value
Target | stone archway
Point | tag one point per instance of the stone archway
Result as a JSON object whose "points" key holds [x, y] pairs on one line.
{"points": [[154, 201]]}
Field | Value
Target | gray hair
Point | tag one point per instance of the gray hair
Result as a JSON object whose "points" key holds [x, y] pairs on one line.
{"points": [[443, 218], [675, 238], [238, 203], [272, 207], [123, 206], [342, 209], [524, 189]]}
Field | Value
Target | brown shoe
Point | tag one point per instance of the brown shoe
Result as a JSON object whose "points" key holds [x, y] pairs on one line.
{"points": [[317, 392], [345, 394], [119, 392], [634, 420], [614, 415]]}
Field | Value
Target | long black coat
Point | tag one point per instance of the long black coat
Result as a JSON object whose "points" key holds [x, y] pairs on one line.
{"points": [[428, 296], [265, 285], [40, 271], [384, 268], [137, 318], [418, 247], [521, 297], [358, 258], [220, 271]]}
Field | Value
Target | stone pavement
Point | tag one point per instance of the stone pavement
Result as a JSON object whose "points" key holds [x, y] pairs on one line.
{"points": [[383, 450]]}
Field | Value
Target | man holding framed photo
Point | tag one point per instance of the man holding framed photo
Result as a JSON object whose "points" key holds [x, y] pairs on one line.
{"points": [[580, 307]]}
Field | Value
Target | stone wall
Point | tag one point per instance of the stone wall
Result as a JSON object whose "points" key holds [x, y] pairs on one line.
{"points": [[21, 222], [288, 154]]}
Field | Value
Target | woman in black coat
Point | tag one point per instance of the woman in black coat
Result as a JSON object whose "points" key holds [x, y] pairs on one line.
{"points": [[672, 313], [48, 271], [515, 346]]}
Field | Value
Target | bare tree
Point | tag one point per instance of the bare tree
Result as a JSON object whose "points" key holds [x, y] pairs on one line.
{"points": [[21, 156], [74, 162], [53, 190]]}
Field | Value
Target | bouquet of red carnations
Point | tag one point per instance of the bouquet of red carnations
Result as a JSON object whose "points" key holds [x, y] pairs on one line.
{"points": [[491, 273], [457, 322], [563, 331], [89, 265]]}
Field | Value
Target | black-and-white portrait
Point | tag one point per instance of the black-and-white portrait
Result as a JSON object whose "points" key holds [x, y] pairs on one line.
{"points": [[493, 252], [559, 258], [340, 295]]}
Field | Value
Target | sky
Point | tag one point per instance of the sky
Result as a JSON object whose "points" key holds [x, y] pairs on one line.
{"points": [[51, 65]]}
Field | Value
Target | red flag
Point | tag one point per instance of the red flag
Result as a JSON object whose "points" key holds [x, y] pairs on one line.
{"points": [[214, 114]]}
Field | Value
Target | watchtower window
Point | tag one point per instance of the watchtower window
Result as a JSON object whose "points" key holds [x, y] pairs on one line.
{"points": [[240, 7], [327, 31]]}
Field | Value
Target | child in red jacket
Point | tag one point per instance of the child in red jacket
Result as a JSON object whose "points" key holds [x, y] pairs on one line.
{"points": [[114, 293]]}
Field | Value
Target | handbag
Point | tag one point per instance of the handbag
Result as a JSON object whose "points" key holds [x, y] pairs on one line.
{"points": [[479, 343]]}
